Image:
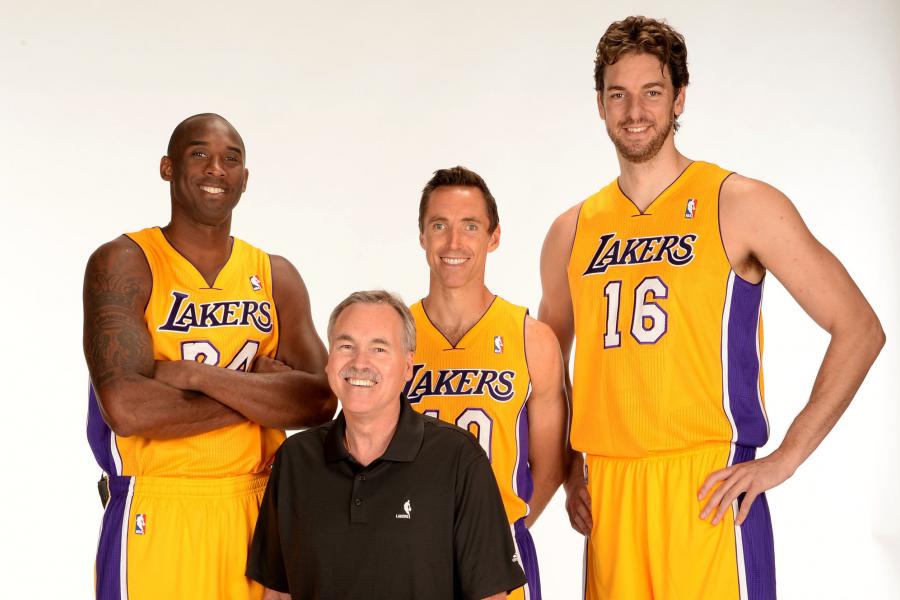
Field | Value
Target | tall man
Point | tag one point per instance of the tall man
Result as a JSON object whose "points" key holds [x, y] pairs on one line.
{"points": [[659, 277], [187, 445], [483, 363], [382, 502]]}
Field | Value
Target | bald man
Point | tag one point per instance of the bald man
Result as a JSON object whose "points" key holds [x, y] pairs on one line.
{"points": [[185, 445]]}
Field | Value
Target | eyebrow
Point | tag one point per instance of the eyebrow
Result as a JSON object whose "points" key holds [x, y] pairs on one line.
{"points": [[203, 143], [645, 86]]}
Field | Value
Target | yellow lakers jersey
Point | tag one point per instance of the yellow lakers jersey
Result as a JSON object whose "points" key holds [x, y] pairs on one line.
{"points": [[228, 325], [668, 337], [481, 384]]}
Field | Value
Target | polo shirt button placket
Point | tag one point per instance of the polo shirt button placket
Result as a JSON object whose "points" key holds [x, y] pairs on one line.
{"points": [[357, 512]]}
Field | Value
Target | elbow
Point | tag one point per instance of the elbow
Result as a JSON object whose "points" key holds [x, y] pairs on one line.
{"points": [[327, 407], [115, 412]]}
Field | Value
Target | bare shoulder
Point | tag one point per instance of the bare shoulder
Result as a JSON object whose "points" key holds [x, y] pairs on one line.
{"points": [[541, 346], [563, 227], [118, 272], [745, 197], [286, 280]]}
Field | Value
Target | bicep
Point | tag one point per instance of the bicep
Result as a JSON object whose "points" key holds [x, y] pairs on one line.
{"points": [[547, 407], [556, 303], [779, 239], [299, 345], [116, 289]]}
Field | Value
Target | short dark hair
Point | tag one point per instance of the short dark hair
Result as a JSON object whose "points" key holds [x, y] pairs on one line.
{"points": [[643, 35], [464, 177]]}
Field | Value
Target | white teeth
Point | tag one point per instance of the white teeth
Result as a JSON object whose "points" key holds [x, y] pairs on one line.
{"points": [[361, 382], [453, 261], [212, 190], [635, 129]]}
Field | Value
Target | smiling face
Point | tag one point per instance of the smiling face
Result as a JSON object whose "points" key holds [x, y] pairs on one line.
{"points": [[455, 236], [639, 104], [368, 363], [205, 167]]}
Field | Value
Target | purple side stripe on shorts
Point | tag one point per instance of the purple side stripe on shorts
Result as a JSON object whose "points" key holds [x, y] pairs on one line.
{"points": [[528, 559], [108, 567], [757, 541], [743, 363]]}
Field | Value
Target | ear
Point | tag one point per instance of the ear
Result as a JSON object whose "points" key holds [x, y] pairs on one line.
{"points": [[409, 365], [422, 239], [495, 239], [165, 168], [679, 101], [600, 108], [246, 177]]}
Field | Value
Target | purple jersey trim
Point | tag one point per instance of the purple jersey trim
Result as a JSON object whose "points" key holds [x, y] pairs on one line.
{"points": [[757, 542], [743, 364], [99, 435], [524, 485]]}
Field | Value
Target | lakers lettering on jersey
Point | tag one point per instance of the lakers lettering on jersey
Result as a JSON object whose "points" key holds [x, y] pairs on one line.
{"points": [[481, 384], [228, 325], [669, 338]]}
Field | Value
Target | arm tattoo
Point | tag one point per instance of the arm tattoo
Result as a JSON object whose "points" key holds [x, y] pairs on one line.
{"points": [[116, 340]]}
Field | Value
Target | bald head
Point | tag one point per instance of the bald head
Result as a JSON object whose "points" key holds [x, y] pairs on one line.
{"points": [[184, 130]]}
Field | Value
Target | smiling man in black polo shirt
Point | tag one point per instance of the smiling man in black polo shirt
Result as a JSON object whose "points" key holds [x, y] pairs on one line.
{"points": [[382, 502]]}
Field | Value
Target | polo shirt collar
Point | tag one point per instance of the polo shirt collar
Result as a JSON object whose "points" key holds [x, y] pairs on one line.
{"points": [[403, 447]]}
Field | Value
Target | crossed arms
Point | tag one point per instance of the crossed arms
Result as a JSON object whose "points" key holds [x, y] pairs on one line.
{"points": [[169, 399]]}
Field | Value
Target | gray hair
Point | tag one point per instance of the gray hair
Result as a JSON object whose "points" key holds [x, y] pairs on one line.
{"points": [[378, 297]]}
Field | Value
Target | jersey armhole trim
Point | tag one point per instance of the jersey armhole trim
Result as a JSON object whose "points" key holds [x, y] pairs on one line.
{"points": [[274, 304], [722, 238]]}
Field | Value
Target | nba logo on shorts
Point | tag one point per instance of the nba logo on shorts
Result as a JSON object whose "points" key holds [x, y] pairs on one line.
{"points": [[255, 283], [690, 209], [140, 523], [498, 344]]}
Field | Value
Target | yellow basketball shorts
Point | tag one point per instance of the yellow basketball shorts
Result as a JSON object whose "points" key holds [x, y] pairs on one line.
{"points": [[178, 538], [648, 541]]}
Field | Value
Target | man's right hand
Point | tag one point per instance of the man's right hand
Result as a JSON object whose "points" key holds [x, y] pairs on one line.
{"points": [[578, 503]]}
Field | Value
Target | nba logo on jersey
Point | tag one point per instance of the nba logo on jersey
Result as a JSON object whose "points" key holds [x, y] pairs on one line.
{"points": [[690, 209], [498, 344], [255, 283], [140, 523]]}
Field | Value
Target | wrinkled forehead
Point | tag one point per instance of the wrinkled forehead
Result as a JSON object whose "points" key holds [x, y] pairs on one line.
{"points": [[208, 129], [365, 324]]}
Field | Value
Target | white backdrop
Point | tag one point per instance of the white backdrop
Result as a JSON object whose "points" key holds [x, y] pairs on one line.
{"points": [[345, 112]]}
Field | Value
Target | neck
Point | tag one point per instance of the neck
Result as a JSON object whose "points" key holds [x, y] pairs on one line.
{"points": [[455, 311], [368, 436], [207, 247], [643, 182]]}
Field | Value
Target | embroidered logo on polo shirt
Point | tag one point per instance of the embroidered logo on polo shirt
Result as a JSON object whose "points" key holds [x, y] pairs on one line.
{"points": [[407, 508]]}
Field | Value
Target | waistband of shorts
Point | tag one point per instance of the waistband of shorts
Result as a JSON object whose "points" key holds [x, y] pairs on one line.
{"points": [[184, 487], [671, 454]]}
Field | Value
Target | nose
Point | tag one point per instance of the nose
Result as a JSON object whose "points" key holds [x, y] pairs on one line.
{"points": [[455, 237], [633, 108], [214, 166]]}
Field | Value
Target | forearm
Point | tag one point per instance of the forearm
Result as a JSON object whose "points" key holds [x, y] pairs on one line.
{"points": [[134, 405], [545, 486], [847, 360], [288, 399]]}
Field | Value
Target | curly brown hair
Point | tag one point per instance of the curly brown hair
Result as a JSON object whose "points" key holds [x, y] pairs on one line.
{"points": [[642, 35]]}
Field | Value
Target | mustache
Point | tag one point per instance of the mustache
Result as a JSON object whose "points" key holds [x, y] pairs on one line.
{"points": [[354, 373]]}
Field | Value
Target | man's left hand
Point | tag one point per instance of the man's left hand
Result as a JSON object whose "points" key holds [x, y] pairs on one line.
{"points": [[751, 478]]}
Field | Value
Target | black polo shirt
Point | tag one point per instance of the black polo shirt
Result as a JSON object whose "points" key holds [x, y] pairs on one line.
{"points": [[424, 521]]}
